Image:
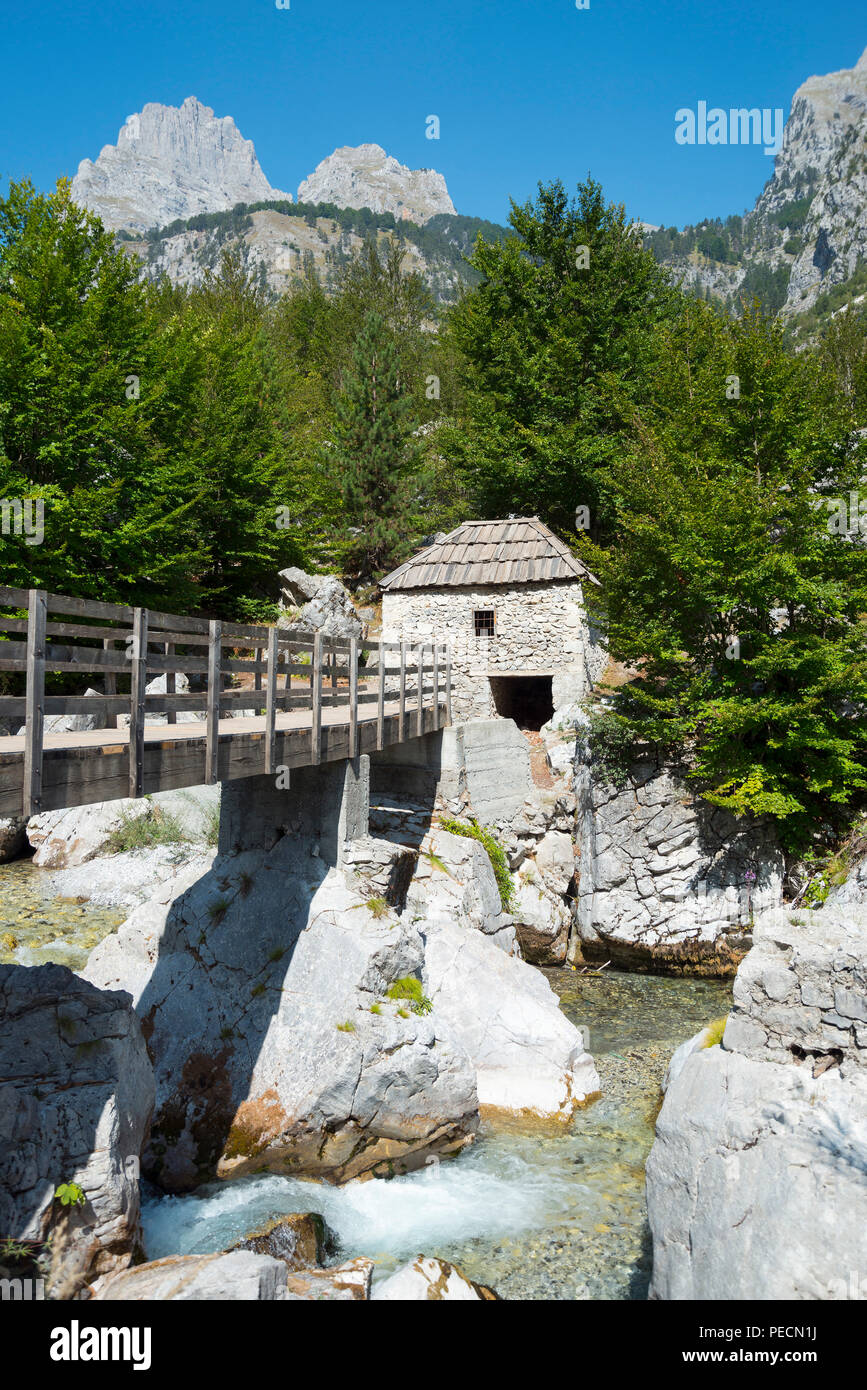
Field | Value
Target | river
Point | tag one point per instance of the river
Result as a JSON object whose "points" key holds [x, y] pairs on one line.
{"points": [[536, 1212]]}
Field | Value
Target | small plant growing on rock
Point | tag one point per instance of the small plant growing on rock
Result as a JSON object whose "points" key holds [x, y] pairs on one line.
{"points": [[410, 990], [69, 1194], [347, 1027], [497, 856], [375, 1009], [715, 1031], [155, 827], [217, 910], [377, 907]]}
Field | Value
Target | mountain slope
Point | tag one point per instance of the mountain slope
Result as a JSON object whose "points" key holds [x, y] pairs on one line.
{"points": [[806, 237], [171, 162]]}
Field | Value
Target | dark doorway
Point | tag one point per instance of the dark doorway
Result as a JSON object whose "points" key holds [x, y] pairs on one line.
{"points": [[526, 699]]}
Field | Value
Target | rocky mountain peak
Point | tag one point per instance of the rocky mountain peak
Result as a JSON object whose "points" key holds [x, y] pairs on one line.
{"points": [[365, 176], [171, 162]]}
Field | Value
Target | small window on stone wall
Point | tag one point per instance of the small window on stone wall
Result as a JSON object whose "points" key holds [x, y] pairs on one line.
{"points": [[483, 622]]}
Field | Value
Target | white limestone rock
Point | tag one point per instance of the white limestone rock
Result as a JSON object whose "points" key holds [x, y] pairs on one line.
{"points": [[454, 882], [528, 1057], [256, 984], [237, 1276], [756, 1181], [365, 176], [428, 1278], [171, 163], [77, 834], [75, 1101]]}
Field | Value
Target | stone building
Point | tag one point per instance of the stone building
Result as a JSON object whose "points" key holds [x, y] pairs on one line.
{"points": [[508, 598]]}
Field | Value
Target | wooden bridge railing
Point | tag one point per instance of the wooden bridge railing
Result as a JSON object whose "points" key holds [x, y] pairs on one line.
{"points": [[83, 636]]}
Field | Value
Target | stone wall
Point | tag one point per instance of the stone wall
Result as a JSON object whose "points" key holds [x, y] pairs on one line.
{"points": [[667, 882], [539, 627]]}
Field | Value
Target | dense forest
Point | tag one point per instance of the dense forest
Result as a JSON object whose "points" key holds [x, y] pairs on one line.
{"points": [[188, 443]]}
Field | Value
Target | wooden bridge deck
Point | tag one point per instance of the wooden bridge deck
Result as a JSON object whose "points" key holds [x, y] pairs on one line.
{"points": [[346, 705]]}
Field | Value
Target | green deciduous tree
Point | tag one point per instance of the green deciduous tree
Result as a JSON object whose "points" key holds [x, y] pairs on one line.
{"points": [[742, 610]]}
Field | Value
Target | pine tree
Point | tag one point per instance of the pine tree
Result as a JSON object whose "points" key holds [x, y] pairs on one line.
{"points": [[374, 450]]}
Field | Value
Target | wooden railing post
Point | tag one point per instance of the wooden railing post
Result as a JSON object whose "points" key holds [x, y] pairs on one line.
{"points": [[215, 662], [316, 682], [271, 704], [171, 715], [353, 697], [436, 685], [257, 677], [419, 714], [448, 685], [380, 700], [402, 695], [137, 684], [34, 707]]}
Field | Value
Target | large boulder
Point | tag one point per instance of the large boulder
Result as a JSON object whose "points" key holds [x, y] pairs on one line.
{"points": [[263, 991], [77, 834], [318, 603], [232, 1276], [528, 1057], [542, 920], [75, 1100], [454, 882], [667, 882], [72, 723], [756, 1181]]}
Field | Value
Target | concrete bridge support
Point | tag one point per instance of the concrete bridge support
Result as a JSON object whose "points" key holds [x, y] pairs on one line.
{"points": [[329, 803], [486, 759]]}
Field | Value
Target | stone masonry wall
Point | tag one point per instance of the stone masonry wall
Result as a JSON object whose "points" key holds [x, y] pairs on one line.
{"points": [[667, 882], [539, 628]]}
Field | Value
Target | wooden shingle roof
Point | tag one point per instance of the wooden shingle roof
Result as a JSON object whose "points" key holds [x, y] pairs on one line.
{"points": [[519, 551]]}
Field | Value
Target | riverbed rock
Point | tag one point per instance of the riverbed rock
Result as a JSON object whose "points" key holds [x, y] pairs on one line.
{"points": [[13, 837], [528, 1057], [231, 1276], [667, 882], [302, 1239], [454, 881], [428, 1278], [756, 1181], [542, 920], [77, 834], [75, 1102], [255, 986], [126, 880]]}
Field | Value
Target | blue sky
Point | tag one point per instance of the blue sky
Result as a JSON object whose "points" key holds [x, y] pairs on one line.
{"points": [[525, 89]]}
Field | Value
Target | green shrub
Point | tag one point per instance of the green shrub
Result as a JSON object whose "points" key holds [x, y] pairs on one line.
{"points": [[499, 862], [410, 990], [347, 1027]]}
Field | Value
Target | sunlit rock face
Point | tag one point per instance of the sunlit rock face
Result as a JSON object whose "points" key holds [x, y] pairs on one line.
{"points": [[364, 176], [171, 162]]}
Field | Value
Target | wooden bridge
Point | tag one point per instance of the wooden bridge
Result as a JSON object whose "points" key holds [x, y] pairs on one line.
{"points": [[316, 699]]}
